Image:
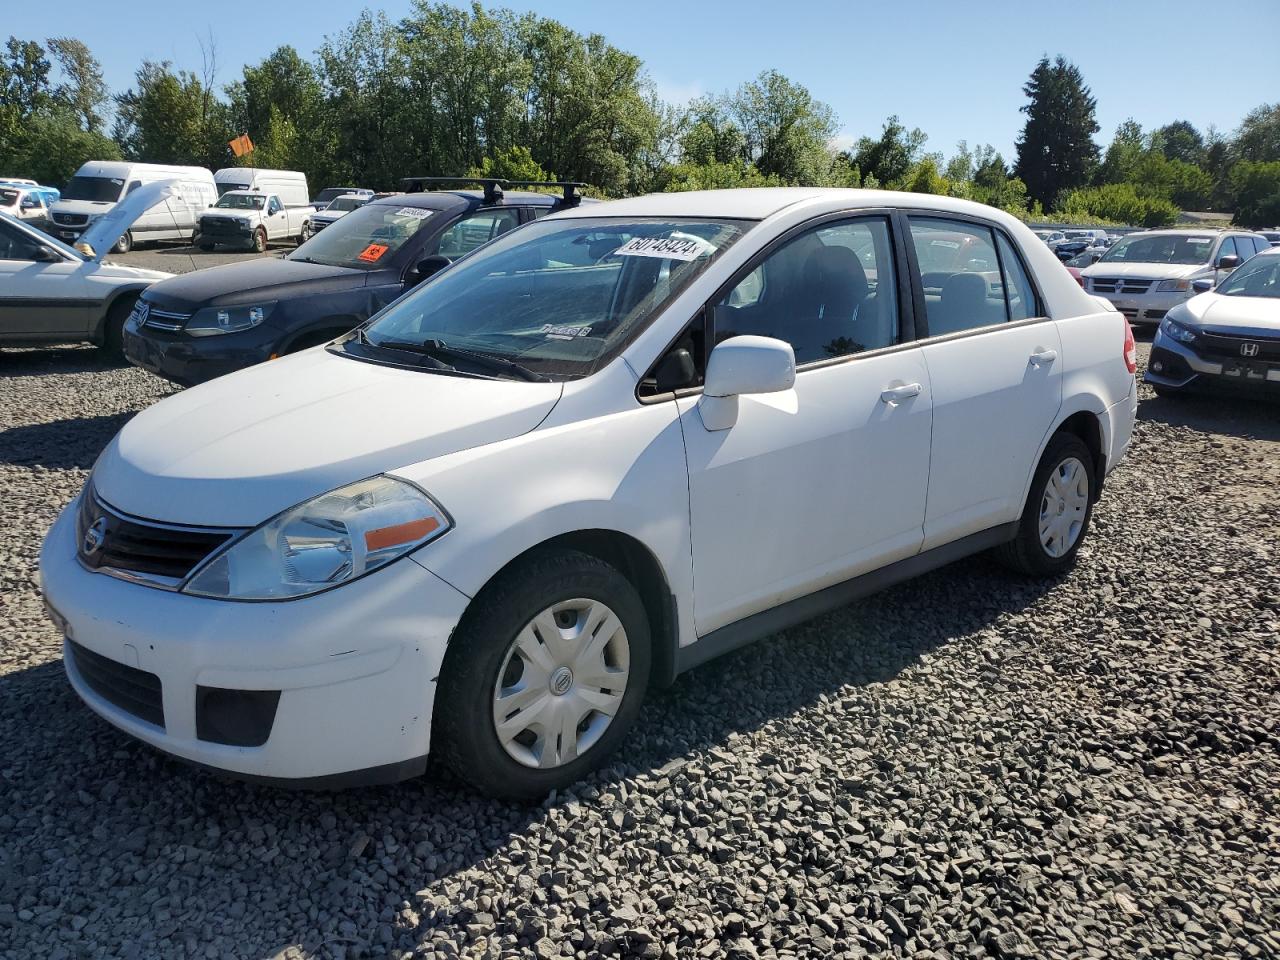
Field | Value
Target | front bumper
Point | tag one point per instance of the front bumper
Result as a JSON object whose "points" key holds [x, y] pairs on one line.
{"points": [[1174, 365], [1143, 307], [220, 230], [190, 360], [355, 667]]}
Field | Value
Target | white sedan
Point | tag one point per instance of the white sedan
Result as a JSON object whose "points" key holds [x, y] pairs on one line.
{"points": [[595, 453], [51, 293], [1225, 338]]}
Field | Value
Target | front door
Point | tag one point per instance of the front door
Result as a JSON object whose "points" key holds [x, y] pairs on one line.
{"points": [[828, 480], [43, 300]]}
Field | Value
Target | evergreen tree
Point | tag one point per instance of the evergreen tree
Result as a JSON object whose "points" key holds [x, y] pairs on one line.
{"points": [[1056, 151]]}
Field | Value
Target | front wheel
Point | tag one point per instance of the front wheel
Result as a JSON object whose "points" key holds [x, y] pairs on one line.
{"points": [[124, 244], [544, 677], [113, 328], [259, 241], [1056, 516]]}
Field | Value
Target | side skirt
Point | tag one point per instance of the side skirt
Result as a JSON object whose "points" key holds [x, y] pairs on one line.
{"points": [[767, 622]]}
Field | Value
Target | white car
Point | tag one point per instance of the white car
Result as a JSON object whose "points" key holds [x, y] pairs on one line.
{"points": [[52, 293], [337, 208], [1229, 337], [1145, 275], [596, 452]]}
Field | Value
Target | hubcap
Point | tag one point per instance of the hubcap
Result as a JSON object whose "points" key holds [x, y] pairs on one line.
{"points": [[561, 683], [1063, 507]]}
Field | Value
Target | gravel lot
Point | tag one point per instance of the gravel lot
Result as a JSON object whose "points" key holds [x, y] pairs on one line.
{"points": [[966, 766], [173, 258]]}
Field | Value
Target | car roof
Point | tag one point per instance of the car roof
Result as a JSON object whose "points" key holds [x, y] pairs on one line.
{"points": [[456, 199]]}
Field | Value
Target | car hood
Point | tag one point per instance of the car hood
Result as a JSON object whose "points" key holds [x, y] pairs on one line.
{"points": [[1231, 315], [327, 216], [119, 271], [1146, 271], [251, 281], [238, 450], [105, 230]]}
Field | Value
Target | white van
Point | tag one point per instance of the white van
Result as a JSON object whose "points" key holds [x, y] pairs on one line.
{"points": [[100, 184], [289, 185]]}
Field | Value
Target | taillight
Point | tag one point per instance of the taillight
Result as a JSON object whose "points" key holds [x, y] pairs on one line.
{"points": [[1130, 347]]}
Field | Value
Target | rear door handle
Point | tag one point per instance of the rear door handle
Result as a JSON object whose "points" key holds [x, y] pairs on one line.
{"points": [[902, 392], [1044, 356]]}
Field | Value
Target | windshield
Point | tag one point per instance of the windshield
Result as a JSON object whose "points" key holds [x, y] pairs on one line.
{"points": [[558, 296], [94, 189], [1159, 248], [1260, 277], [228, 187], [328, 193], [240, 201], [365, 238], [346, 204]]}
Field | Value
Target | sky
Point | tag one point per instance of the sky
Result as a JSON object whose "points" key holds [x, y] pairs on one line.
{"points": [[954, 70]]}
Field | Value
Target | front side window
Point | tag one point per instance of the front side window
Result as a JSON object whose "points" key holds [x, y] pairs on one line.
{"points": [[273, 206], [1260, 277], [16, 245], [558, 297], [830, 292], [960, 272], [475, 231], [1228, 249]]}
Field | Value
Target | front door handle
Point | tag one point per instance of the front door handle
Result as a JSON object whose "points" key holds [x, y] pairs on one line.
{"points": [[1043, 355], [899, 393]]}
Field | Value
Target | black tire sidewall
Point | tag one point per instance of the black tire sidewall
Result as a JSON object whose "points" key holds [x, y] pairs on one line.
{"points": [[124, 244], [259, 241], [1060, 448], [113, 327], [463, 726]]}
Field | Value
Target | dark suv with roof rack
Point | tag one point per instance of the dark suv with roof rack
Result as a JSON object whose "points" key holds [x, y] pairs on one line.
{"points": [[202, 325]]}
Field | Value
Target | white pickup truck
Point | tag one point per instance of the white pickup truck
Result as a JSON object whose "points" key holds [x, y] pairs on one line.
{"points": [[250, 218]]}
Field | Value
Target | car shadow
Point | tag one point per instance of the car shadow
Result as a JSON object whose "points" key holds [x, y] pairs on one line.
{"points": [[42, 361], [1249, 418], [72, 444], [352, 845]]}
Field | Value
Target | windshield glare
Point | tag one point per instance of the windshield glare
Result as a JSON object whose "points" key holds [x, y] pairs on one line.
{"points": [[241, 201], [93, 189], [346, 204], [1162, 248], [559, 297], [366, 238], [1260, 277]]}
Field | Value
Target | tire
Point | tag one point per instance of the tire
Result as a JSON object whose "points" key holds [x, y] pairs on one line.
{"points": [[124, 244], [113, 328], [259, 241], [206, 247], [483, 659], [1028, 552], [1164, 392], [304, 236]]}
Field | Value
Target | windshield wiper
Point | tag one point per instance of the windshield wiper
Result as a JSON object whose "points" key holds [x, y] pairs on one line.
{"points": [[440, 351]]}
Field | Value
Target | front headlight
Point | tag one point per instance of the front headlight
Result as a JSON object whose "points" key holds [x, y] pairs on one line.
{"points": [[214, 320], [323, 542], [1172, 328], [1173, 286], [243, 221]]}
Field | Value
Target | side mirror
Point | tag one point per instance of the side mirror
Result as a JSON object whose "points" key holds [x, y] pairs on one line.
{"points": [[1228, 263], [44, 255], [1202, 286], [428, 267], [743, 365]]}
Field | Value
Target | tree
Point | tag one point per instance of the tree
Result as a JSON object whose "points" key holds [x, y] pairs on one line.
{"points": [[889, 158], [1126, 150], [786, 131], [171, 118], [1180, 141], [1256, 190], [1056, 151], [279, 103], [24, 89], [81, 89], [514, 163], [1258, 138], [54, 146]]}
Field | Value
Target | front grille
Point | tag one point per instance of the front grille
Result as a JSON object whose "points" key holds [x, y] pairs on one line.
{"points": [[1229, 347], [132, 690], [1155, 314], [1130, 313], [162, 554], [165, 320], [71, 219], [1120, 285], [221, 227], [317, 227]]}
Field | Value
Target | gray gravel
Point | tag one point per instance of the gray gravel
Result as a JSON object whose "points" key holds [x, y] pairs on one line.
{"points": [[967, 766], [183, 258]]}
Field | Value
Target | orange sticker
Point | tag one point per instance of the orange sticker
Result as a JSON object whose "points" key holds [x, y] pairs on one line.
{"points": [[373, 252]]}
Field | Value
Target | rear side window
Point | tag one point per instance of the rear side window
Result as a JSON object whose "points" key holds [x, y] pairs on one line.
{"points": [[960, 273], [1018, 291]]}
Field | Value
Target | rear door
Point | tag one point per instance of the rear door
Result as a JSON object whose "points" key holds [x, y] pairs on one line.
{"points": [[995, 369]]}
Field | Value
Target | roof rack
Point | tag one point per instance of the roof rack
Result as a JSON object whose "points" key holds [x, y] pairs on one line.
{"points": [[494, 186]]}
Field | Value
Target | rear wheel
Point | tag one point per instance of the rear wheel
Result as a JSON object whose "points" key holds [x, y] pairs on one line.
{"points": [[1056, 516], [259, 241], [544, 677]]}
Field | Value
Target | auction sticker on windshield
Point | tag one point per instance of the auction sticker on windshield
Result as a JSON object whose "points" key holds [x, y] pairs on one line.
{"points": [[415, 212], [373, 252], [668, 248]]}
